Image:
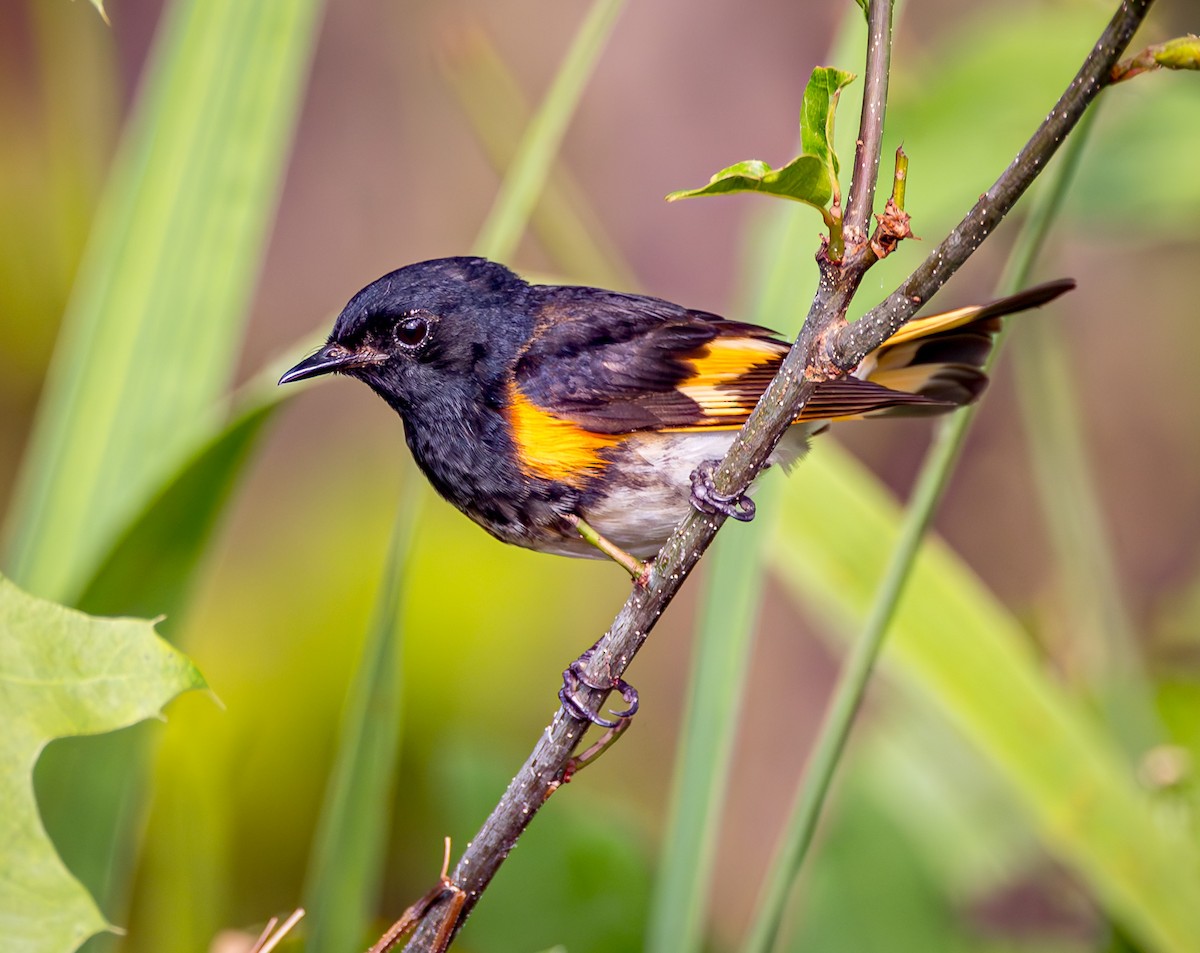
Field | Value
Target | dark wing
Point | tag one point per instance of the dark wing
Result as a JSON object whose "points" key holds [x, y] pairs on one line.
{"points": [[614, 363], [604, 364], [609, 363]]}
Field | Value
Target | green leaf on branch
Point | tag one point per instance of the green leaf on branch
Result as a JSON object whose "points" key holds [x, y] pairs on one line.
{"points": [[64, 673], [812, 176], [816, 117], [803, 179]]}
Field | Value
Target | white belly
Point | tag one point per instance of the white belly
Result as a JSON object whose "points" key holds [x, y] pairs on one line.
{"points": [[641, 516]]}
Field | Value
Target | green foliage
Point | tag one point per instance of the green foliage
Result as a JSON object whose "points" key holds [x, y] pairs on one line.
{"points": [[134, 453], [535, 155], [962, 652], [811, 177], [64, 673], [584, 860], [724, 639], [149, 343], [347, 860], [152, 566], [137, 457]]}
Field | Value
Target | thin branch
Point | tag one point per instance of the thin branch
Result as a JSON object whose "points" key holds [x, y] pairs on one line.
{"points": [[853, 343], [861, 200], [540, 776]]}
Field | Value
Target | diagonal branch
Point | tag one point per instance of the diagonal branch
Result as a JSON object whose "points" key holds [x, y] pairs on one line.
{"points": [[859, 339], [542, 773]]}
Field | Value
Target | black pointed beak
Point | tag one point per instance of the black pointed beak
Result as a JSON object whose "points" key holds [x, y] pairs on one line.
{"points": [[332, 357]]}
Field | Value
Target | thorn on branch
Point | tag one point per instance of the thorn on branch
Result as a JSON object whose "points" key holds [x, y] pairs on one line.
{"points": [[900, 177]]}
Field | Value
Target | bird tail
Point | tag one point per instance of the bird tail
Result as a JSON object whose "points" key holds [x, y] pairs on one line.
{"points": [[930, 366]]}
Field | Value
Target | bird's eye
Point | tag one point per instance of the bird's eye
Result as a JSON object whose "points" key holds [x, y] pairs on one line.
{"points": [[411, 331]]}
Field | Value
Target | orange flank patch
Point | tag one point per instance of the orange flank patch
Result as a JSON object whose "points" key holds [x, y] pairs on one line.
{"points": [[550, 447]]}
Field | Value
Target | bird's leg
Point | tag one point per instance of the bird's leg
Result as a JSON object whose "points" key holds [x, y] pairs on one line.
{"points": [[576, 675], [580, 761], [706, 499], [631, 564]]}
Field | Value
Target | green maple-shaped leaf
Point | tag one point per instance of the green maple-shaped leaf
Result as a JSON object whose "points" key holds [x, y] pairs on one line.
{"points": [[811, 177], [63, 673]]}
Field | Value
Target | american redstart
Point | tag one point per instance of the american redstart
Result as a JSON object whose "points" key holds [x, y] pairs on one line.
{"points": [[579, 421]]}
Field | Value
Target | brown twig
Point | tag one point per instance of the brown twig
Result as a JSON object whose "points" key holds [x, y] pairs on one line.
{"points": [[271, 937], [825, 345]]}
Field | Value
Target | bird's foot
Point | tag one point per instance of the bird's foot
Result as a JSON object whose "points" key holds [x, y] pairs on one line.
{"points": [[576, 675], [707, 499]]}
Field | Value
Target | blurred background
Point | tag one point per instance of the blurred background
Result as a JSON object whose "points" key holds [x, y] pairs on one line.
{"points": [[396, 158]]}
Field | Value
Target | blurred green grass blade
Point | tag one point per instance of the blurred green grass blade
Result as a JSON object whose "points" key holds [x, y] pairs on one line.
{"points": [[527, 177], [150, 336], [1104, 642], [153, 564], [562, 219], [149, 570], [775, 286], [1102, 639], [856, 670], [967, 655], [716, 686], [734, 580], [870, 863], [347, 859]]}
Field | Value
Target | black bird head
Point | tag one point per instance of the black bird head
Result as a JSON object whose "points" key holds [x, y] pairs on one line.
{"points": [[411, 334]]}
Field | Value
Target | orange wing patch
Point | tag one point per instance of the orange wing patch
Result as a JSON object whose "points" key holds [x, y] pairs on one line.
{"points": [[553, 448], [729, 375]]}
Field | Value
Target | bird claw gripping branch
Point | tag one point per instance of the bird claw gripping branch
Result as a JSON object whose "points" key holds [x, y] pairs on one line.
{"points": [[706, 498]]}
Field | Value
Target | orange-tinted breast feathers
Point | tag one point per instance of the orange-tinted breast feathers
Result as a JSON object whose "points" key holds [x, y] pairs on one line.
{"points": [[550, 447]]}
